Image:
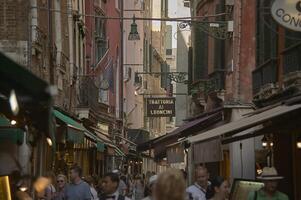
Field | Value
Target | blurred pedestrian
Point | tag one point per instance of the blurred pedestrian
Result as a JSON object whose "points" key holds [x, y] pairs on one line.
{"points": [[110, 184], [138, 193], [218, 189], [90, 180], [151, 188], [50, 189], [61, 181], [123, 188], [170, 186], [77, 189], [198, 190], [270, 178]]}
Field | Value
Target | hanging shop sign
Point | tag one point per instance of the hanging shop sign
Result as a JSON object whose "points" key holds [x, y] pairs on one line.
{"points": [[160, 107], [287, 13]]}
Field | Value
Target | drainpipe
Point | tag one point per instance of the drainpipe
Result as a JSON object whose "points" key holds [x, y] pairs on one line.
{"points": [[50, 47], [71, 56]]}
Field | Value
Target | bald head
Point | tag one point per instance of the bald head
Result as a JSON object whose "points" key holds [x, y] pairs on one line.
{"points": [[202, 176]]}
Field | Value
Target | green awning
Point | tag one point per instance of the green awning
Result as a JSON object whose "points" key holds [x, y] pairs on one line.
{"points": [[100, 146], [33, 94], [118, 152], [75, 131], [9, 133]]}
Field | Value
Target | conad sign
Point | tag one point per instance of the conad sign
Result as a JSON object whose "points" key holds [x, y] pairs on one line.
{"points": [[287, 13]]}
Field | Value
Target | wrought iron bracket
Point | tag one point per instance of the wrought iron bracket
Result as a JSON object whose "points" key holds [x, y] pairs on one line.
{"points": [[178, 77], [216, 29]]}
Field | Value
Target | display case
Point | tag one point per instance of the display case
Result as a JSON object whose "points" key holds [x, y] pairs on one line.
{"points": [[241, 188]]}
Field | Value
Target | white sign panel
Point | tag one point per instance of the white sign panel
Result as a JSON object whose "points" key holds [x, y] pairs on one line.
{"points": [[287, 13]]}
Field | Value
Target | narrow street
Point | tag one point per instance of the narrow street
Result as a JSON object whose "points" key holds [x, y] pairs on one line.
{"points": [[150, 99]]}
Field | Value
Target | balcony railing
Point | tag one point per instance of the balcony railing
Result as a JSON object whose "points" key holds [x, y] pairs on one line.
{"points": [[62, 60], [215, 83], [38, 36], [264, 75], [292, 59], [88, 92]]}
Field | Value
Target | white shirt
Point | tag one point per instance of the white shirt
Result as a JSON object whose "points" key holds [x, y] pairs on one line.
{"points": [[196, 192], [116, 194], [94, 194]]}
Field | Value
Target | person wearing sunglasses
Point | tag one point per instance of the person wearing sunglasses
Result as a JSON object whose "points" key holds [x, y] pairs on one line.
{"points": [[61, 183]]}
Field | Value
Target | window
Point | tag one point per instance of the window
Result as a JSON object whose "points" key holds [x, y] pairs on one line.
{"points": [[103, 96], [101, 42], [266, 33], [118, 4]]}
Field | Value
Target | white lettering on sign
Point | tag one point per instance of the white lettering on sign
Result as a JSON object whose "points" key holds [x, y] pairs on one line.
{"points": [[287, 13]]}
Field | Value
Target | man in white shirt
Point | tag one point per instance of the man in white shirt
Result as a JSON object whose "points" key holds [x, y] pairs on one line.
{"points": [[197, 191], [110, 185]]}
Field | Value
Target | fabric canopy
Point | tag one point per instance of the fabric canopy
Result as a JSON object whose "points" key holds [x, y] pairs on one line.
{"points": [[10, 133], [33, 95], [75, 131], [245, 123]]}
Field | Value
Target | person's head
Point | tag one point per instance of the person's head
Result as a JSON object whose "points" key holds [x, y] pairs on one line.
{"points": [[152, 184], [61, 181], [202, 176], [270, 186], [219, 188], [170, 185], [110, 183], [270, 179], [75, 173]]}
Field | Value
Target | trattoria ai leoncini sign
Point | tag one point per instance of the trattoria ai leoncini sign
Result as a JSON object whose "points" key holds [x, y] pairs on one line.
{"points": [[160, 107], [287, 13]]}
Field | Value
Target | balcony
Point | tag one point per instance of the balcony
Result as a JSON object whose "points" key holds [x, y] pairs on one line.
{"points": [[62, 60], [292, 66], [38, 37], [88, 93], [265, 77], [216, 81]]}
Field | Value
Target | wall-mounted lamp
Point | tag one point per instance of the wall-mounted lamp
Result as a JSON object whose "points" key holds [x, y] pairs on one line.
{"points": [[264, 142], [298, 142]]}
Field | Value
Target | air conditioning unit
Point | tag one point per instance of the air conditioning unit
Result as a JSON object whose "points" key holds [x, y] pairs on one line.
{"points": [[186, 3], [230, 26], [127, 74]]}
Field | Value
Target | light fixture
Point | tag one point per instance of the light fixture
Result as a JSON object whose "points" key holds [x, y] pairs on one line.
{"points": [[136, 92], [23, 188], [13, 122], [49, 141], [134, 35], [298, 143], [264, 142], [271, 144], [13, 102]]}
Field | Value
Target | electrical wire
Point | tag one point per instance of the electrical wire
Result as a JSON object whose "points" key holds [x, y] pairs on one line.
{"points": [[180, 19]]}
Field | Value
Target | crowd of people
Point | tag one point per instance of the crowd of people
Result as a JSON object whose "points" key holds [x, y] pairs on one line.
{"points": [[168, 185]]}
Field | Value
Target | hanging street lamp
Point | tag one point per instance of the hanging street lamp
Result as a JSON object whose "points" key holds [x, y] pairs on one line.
{"points": [[134, 35]]}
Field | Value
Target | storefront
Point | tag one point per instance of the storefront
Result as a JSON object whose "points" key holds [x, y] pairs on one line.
{"points": [[26, 122], [265, 137]]}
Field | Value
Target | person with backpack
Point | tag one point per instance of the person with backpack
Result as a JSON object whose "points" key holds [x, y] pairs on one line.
{"points": [[110, 185], [270, 178]]}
